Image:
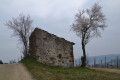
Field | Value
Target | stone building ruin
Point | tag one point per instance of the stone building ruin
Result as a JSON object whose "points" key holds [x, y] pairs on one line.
{"points": [[49, 49]]}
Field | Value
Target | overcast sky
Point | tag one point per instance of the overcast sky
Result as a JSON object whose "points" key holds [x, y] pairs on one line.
{"points": [[56, 16]]}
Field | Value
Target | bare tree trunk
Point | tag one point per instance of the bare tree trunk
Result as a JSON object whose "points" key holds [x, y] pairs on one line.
{"points": [[26, 52], [117, 61], [83, 58]]}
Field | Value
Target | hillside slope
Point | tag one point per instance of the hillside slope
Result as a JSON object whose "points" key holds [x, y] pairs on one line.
{"points": [[45, 72]]}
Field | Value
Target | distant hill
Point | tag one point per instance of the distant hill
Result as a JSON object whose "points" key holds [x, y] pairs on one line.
{"points": [[109, 58]]}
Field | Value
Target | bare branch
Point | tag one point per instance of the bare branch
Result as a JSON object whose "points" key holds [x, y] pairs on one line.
{"points": [[88, 23], [21, 27]]}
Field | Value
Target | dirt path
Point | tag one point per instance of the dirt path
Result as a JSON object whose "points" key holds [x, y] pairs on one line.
{"points": [[15, 71], [108, 70]]}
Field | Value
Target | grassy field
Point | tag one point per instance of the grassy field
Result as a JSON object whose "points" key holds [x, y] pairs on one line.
{"points": [[45, 72]]}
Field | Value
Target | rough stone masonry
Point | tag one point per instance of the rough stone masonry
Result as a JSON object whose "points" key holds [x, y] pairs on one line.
{"points": [[49, 49]]}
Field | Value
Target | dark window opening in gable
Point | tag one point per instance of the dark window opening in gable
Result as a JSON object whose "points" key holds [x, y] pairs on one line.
{"points": [[59, 55]]}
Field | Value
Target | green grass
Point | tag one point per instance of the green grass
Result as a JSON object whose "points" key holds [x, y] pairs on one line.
{"points": [[45, 72]]}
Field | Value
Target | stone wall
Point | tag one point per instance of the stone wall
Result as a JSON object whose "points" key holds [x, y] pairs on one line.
{"points": [[49, 49]]}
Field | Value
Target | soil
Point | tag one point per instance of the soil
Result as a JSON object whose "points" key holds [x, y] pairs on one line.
{"points": [[16, 71]]}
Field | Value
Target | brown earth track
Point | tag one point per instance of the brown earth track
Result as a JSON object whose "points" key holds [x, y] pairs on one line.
{"points": [[16, 71]]}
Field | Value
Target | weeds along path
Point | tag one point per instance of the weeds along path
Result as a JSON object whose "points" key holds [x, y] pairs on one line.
{"points": [[15, 71], [108, 70]]}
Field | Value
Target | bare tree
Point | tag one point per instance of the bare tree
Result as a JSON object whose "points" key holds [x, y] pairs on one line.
{"points": [[21, 27], [87, 25]]}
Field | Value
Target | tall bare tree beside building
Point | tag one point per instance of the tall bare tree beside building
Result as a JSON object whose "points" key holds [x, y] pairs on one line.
{"points": [[21, 27], [87, 25]]}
